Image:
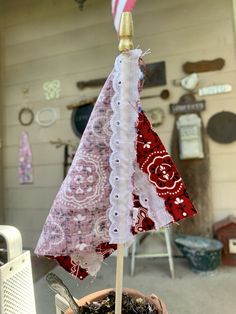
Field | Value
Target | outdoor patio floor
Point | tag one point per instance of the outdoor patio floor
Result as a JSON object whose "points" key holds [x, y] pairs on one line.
{"points": [[188, 293]]}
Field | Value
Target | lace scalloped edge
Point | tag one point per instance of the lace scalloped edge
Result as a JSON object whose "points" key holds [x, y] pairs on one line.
{"points": [[123, 146]]}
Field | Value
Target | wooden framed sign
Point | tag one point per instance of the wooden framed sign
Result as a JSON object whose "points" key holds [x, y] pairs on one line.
{"points": [[187, 108], [155, 75]]}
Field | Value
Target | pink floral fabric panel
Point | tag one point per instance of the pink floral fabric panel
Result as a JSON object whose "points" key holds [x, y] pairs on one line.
{"points": [[78, 223], [25, 160]]}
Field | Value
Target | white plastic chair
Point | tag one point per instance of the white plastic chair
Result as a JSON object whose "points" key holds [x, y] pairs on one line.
{"points": [[61, 304]]}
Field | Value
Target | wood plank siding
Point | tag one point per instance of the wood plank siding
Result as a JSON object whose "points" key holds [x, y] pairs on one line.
{"points": [[48, 39]]}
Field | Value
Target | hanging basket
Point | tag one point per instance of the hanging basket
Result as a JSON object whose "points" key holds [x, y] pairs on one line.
{"points": [[203, 254]]}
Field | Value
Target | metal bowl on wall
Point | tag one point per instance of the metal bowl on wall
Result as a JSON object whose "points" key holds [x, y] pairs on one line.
{"points": [[80, 117]]}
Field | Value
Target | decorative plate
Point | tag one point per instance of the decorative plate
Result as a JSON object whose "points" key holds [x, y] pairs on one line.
{"points": [[46, 116]]}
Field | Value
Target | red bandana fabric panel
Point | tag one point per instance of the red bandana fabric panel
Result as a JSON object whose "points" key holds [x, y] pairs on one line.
{"points": [[105, 249], [154, 160]]}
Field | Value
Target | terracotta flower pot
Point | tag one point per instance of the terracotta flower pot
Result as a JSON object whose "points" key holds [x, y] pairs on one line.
{"points": [[153, 299]]}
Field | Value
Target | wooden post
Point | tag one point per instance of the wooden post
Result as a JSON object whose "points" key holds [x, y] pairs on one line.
{"points": [[125, 44], [234, 15]]}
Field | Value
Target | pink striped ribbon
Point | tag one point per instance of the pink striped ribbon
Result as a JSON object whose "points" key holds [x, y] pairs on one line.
{"points": [[120, 6]]}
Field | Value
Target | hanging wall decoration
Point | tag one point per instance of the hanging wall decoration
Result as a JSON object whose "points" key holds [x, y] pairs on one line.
{"points": [[156, 116], [80, 114], [69, 152], [80, 117], [190, 152], [25, 160], [155, 74], [46, 116], [80, 3], [26, 116], [190, 136], [189, 126], [221, 127], [52, 89], [203, 66], [189, 82], [164, 94], [215, 89], [187, 104]]}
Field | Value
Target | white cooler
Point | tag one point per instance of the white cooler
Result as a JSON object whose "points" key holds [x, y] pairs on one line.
{"points": [[16, 282]]}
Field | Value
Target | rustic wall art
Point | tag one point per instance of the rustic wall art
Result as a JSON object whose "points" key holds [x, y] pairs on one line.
{"points": [[215, 89], [26, 116], [195, 171], [203, 66], [190, 136], [52, 89], [187, 104], [80, 117], [156, 116], [155, 75], [189, 82], [80, 114], [46, 116], [221, 127], [164, 94]]}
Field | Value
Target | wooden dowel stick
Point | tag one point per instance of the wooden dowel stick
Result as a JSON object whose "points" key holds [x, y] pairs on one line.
{"points": [[125, 44], [119, 278]]}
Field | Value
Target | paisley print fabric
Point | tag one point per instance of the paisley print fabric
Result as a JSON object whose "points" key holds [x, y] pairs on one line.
{"points": [[154, 160]]}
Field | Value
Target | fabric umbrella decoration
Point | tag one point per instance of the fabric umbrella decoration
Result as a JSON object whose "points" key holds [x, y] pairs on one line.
{"points": [[83, 227], [122, 180]]}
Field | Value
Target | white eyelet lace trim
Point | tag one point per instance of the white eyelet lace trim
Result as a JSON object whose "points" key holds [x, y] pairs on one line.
{"points": [[150, 200], [125, 114]]}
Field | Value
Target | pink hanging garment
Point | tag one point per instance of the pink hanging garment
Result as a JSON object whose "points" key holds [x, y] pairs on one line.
{"points": [[83, 226], [25, 160]]}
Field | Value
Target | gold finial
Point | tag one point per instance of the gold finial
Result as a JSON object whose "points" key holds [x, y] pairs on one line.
{"points": [[126, 32]]}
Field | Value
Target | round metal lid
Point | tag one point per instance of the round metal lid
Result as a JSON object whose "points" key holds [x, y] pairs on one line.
{"points": [[221, 127]]}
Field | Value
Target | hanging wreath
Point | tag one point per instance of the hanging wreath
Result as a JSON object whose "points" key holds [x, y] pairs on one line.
{"points": [[26, 116]]}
